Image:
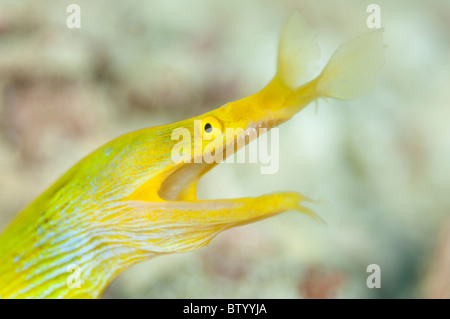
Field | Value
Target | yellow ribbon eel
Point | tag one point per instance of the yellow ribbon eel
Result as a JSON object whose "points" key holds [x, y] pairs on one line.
{"points": [[130, 200]]}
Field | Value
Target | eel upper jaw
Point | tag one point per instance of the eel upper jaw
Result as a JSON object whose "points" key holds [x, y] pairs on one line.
{"points": [[181, 184]]}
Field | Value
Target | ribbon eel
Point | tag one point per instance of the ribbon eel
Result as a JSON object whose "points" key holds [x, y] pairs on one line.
{"points": [[132, 199]]}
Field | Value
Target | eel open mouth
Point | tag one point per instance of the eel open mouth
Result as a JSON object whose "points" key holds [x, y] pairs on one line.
{"points": [[181, 184]]}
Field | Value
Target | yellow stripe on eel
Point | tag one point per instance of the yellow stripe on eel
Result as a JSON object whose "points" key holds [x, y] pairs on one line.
{"points": [[130, 200]]}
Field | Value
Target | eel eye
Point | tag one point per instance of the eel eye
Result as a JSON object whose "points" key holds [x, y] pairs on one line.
{"points": [[208, 128], [211, 128]]}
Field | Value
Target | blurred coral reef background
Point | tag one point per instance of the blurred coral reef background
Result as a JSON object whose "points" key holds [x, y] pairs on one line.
{"points": [[379, 164]]}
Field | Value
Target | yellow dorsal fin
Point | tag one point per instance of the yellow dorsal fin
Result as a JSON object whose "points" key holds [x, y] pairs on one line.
{"points": [[298, 53]]}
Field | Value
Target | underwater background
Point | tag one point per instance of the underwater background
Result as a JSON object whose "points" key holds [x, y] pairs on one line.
{"points": [[380, 165]]}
